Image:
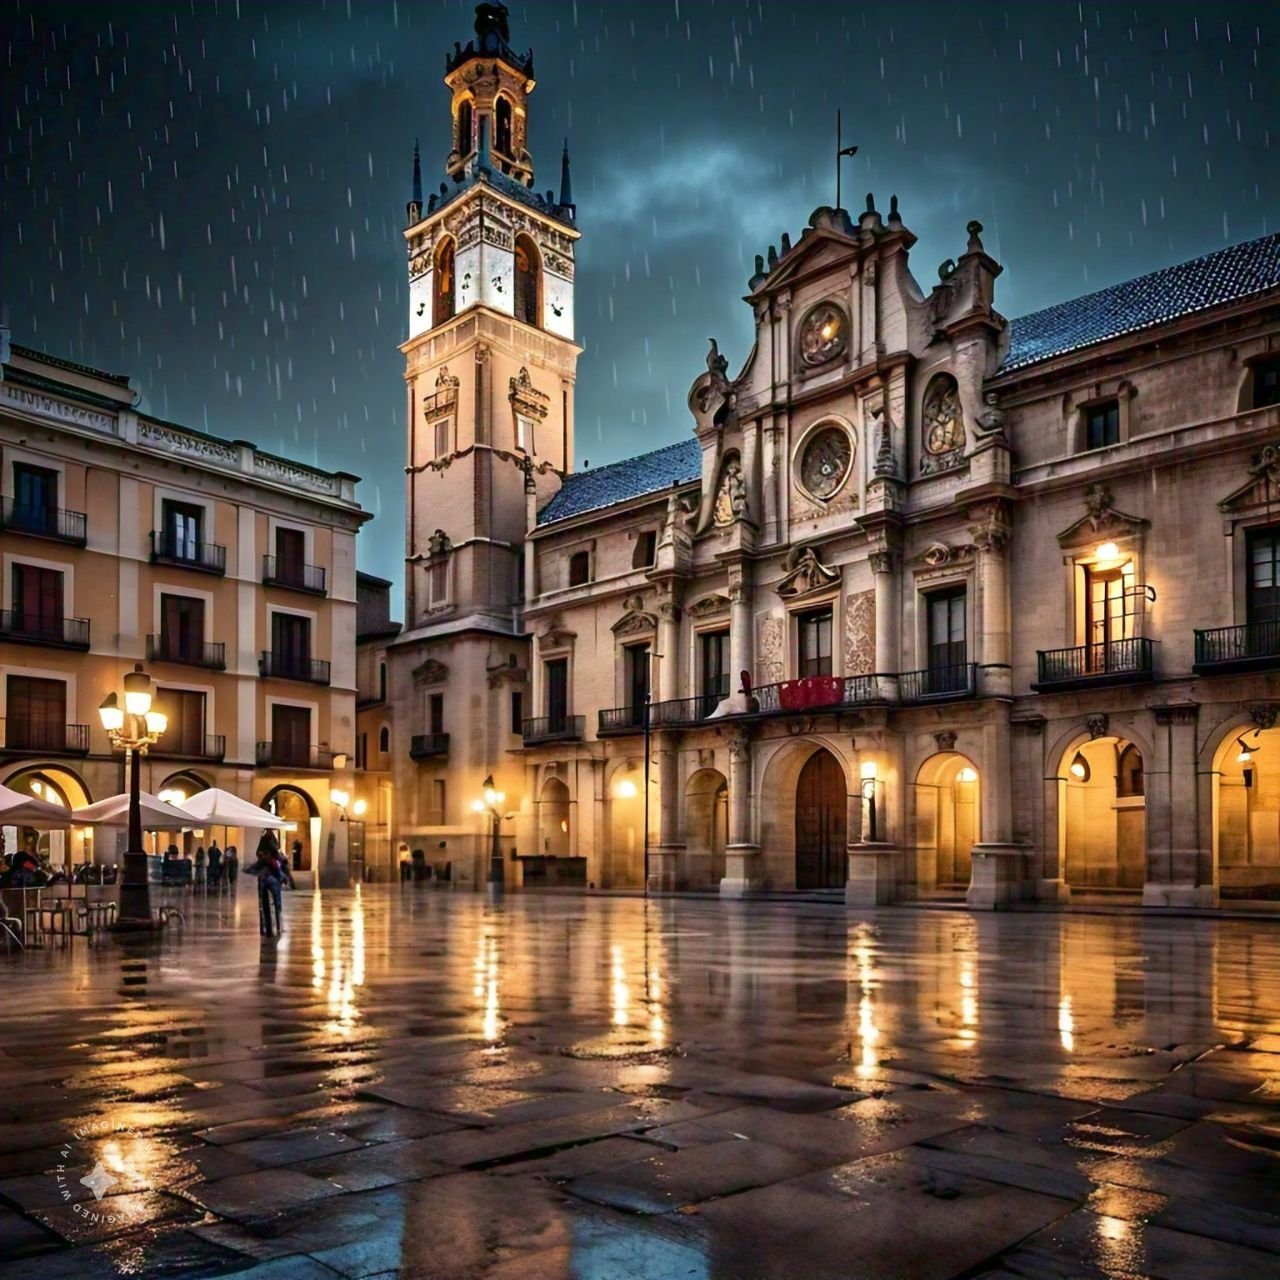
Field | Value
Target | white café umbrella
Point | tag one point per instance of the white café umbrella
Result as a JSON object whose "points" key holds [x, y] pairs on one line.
{"points": [[18, 810], [114, 812], [215, 807]]}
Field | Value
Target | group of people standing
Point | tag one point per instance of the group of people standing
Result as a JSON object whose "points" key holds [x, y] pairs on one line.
{"points": [[215, 868]]}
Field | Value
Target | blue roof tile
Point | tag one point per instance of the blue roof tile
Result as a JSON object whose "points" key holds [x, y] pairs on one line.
{"points": [[1221, 277], [583, 491]]}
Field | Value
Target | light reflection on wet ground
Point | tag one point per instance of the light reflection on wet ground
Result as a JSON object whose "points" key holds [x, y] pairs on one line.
{"points": [[420, 1082]]}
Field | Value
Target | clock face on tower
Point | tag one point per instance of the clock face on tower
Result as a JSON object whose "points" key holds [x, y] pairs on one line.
{"points": [[824, 334], [825, 462]]}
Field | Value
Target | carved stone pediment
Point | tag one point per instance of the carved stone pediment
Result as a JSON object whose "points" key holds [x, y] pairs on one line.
{"points": [[1101, 521], [554, 633], [708, 606], [1262, 489], [635, 619], [430, 672], [526, 398], [805, 574]]}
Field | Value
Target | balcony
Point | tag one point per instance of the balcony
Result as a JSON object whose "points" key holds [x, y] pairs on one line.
{"points": [[557, 728], [813, 693], [1089, 665], [40, 738], [674, 713], [1253, 646], [187, 553], [617, 721], [34, 628], [43, 522], [196, 653], [939, 684], [212, 746], [278, 572], [424, 746], [286, 666], [288, 755]]}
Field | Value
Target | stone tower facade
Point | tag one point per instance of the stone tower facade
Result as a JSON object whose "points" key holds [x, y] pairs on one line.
{"points": [[489, 372]]}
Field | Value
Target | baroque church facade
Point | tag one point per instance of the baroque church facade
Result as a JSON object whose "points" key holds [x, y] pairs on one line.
{"points": [[930, 603]]}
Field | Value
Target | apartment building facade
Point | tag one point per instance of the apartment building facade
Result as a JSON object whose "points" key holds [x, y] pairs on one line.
{"points": [[226, 571]]}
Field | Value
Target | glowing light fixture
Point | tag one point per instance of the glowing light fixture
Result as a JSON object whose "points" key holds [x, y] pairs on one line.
{"points": [[110, 714], [867, 771], [1245, 754], [626, 790], [137, 691], [1108, 551], [1080, 768], [157, 722], [360, 808], [477, 806], [340, 798], [967, 774]]}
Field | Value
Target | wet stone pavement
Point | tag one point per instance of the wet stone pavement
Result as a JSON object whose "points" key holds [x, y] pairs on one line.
{"points": [[416, 1083]]}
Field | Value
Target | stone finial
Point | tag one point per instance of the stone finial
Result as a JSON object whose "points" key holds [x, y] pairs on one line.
{"points": [[717, 365], [975, 243], [760, 264], [786, 243], [894, 215], [871, 202], [772, 258]]}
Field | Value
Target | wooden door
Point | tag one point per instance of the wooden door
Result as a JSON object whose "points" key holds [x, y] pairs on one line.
{"points": [[822, 814], [290, 735]]}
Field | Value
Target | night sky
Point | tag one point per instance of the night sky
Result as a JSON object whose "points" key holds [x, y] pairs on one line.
{"points": [[209, 196]]}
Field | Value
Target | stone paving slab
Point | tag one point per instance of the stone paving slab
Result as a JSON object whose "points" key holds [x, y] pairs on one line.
{"points": [[770, 1091]]}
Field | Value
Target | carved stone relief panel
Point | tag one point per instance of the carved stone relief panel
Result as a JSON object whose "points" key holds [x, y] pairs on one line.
{"points": [[860, 633], [772, 649]]}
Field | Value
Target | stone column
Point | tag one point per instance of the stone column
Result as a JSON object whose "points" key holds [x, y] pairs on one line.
{"points": [[741, 646], [743, 873], [888, 642], [1172, 790], [991, 537], [1001, 866], [669, 649], [664, 859]]}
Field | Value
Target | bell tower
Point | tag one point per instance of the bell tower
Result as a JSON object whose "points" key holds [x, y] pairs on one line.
{"points": [[490, 364]]}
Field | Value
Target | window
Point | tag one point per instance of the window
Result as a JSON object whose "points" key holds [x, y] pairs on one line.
{"points": [[1102, 425], [524, 434], [527, 282], [502, 126], [186, 711], [362, 751], [517, 710], [946, 629], [1129, 775], [35, 498], [637, 677], [438, 583], [579, 568], [290, 735], [444, 282], [443, 430], [1264, 378], [464, 128], [1262, 596], [181, 628], [291, 645], [557, 674], [435, 712], [1109, 615], [183, 533], [291, 557], [384, 739], [815, 643], [36, 714], [436, 818], [37, 601], [382, 682], [713, 668], [646, 551]]}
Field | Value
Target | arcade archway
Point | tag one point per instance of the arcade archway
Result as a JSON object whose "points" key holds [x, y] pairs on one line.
{"points": [[947, 820], [57, 786], [822, 823], [293, 805], [1103, 807], [1247, 813], [706, 823]]}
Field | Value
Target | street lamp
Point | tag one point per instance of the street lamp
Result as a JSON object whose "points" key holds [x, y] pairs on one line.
{"points": [[132, 729], [492, 805]]}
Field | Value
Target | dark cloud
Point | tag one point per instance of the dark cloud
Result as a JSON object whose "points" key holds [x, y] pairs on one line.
{"points": [[210, 195]]}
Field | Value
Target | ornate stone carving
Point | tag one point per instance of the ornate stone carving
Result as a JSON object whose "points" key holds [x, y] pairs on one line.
{"points": [[192, 446], [731, 496], [438, 544], [1096, 724], [886, 463], [43, 406], [446, 381], [1263, 486], [634, 618], [992, 532], [772, 642], [860, 633], [711, 394], [1100, 522], [430, 672], [739, 745], [1263, 714], [292, 474], [945, 740], [555, 634], [805, 573], [883, 561], [991, 419], [525, 398], [942, 426], [1176, 713], [708, 606], [937, 554]]}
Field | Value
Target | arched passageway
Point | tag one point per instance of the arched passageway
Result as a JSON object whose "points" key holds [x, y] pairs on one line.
{"points": [[1104, 829], [554, 827], [294, 805], [1247, 807], [947, 796], [706, 826], [822, 819], [63, 788]]}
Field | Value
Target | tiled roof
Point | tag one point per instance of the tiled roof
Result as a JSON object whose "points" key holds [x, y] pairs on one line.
{"points": [[583, 491], [1224, 276]]}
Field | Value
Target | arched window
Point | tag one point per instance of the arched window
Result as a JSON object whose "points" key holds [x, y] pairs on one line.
{"points": [[384, 739], [444, 282], [464, 128], [382, 682], [528, 282], [502, 126], [1129, 779], [579, 568]]}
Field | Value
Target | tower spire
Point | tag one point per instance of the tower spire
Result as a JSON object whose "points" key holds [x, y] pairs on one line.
{"points": [[413, 210], [566, 186]]}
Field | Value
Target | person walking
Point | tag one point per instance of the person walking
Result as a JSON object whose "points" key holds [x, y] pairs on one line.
{"points": [[272, 870], [213, 877], [200, 866], [232, 861]]}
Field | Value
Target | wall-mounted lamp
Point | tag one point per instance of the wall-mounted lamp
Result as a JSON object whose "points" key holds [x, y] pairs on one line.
{"points": [[625, 790], [1107, 552], [360, 808], [339, 798], [1080, 768], [967, 774], [1245, 753], [867, 775]]}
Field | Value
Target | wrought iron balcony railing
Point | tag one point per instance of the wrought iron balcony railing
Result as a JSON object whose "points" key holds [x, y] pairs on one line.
{"points": [[1108, 662], [1252, 646], [190, 553], [557, 728], [36, 628], [182, 746], [43, 522], [190, 653], [813, 693], [422, 746], [287, 666], [289, 755], [46, 738], [620, 720], [955, 680], [279, 572]]}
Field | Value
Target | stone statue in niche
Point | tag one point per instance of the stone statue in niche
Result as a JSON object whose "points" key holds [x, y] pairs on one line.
{"points": [[805, 573], [731, 497], [942, 426]]}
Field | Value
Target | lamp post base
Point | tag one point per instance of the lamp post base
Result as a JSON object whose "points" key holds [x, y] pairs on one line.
{"points": [[139, 925], [135, 895]]}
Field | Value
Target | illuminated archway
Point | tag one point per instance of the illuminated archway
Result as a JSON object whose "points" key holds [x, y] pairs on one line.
{"points": [[947, 796], [444, 281], [61, 787], [294, 805], [528, 282], [1246, 775], [1103, 815], [554, 820], [706, 828]]}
